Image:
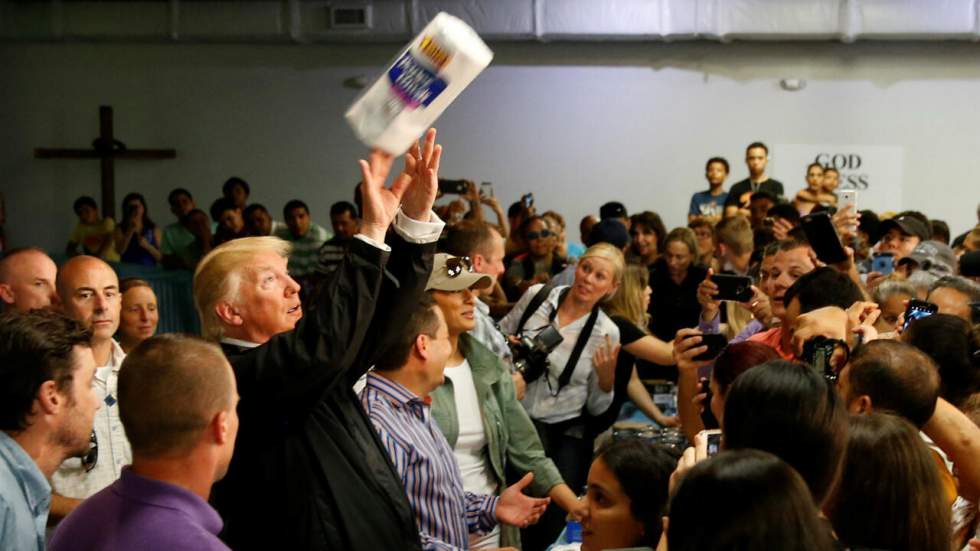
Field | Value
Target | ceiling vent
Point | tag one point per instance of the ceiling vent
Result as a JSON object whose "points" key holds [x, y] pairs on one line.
{"points": [[350, 17]]}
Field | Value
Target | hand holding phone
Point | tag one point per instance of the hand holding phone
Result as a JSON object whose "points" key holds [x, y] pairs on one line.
{"points": [[823, 238], [733, 287], [883, 263], [528, 201], [918, 309], [715, 342], [714, 441], [455, 187]]}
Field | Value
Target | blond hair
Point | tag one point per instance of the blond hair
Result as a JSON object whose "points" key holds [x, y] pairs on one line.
{"points": [[610, 254], [736, 234], [628, 302], [219, 275]]}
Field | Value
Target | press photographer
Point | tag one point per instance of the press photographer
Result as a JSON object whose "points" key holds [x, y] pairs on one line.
{"points": [[577, 379]]}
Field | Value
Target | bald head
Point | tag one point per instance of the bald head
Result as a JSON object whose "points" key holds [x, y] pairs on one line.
{"points": [[89, 291], [171, 390], [27, 280]]}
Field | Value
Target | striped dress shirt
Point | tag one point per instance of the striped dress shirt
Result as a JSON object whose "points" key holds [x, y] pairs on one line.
{"points": [[446, 514]]}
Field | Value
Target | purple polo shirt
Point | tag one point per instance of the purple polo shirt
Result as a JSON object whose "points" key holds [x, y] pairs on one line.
{"points": [[140, 513]]}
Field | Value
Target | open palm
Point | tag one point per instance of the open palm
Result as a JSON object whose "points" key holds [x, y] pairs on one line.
{"points": [[414, 188], [516, 509]]}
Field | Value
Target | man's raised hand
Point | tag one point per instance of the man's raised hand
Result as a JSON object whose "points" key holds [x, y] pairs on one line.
{"points": [[422, 171], [380, 202]]}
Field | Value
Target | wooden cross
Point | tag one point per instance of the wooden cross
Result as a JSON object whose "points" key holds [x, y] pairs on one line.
{"points": [[107, 149]]}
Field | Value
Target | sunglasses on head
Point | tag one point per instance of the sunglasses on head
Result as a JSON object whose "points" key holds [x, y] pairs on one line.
{"points": [[91, 457], [531, 236], [457, 265]]}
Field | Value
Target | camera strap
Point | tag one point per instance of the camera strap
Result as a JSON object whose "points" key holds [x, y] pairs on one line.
{"points": [[583, 339], [536, 301]]}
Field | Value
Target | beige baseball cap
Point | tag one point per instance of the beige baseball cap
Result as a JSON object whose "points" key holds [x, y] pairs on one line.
{"points": [[454, 273]]}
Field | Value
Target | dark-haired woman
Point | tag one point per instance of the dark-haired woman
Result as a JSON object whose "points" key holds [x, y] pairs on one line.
{"points": [[539, 264], [626, 496], [748, 500], [137, 237], [890, 495], [790, 410], [734, 360]]}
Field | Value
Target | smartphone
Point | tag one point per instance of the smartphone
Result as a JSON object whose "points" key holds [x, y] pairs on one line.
{"points": [[975, 311], [847, 197], [707, 417], [527, 200], [456, 187], [883, 263], [733, 287], [714, 441], [716, 342], [918, 309], [823, 238], [486, 189]]}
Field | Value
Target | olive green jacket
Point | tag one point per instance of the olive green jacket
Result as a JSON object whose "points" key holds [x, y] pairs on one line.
{"points": [[512, 440]]}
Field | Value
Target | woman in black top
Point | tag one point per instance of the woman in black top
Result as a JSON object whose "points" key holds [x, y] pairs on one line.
{"points": [[628, 310], [674, 280]]}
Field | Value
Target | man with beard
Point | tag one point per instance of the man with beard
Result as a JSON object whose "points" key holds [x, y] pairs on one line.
{"points": [[47, 405]]}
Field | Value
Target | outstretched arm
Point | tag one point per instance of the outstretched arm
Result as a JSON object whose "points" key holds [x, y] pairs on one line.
{"points": [[293, 369]]}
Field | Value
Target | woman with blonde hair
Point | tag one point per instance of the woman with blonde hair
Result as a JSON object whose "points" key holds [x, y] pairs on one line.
{"points": [[575, 380], [628, 310]]}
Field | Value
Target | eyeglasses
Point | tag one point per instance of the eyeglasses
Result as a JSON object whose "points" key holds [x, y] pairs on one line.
{"points": [[531, 236], [91, 457], [457, 265]]}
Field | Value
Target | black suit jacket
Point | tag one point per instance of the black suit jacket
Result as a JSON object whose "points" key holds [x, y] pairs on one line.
{"points": [[309, 471]]}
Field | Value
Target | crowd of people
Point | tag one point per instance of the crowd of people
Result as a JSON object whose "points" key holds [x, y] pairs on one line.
{"points": [[428, 378]]}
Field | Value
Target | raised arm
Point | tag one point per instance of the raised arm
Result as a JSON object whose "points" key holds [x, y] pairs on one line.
{"points": [[339, 337], [959, 437]]}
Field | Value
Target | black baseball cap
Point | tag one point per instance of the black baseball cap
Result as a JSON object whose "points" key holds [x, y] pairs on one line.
{"points": [[612, 209], [970, 264], [610, 231], [909, 225]]}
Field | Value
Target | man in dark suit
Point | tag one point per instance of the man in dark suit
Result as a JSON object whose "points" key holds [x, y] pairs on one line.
{"points": [[308, 470]]}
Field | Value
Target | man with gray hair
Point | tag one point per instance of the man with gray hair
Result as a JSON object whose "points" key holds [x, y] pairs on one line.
{"points": [[953, 295], [309, 471]]}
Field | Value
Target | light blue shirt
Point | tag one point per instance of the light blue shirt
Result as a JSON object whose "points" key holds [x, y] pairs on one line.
{"points": [[25, 498]]}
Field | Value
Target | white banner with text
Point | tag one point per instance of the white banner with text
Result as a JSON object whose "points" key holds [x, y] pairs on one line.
{"points": [[874, 171]]}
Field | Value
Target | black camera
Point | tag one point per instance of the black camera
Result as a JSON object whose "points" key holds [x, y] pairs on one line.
{"points": [[531, 354]]}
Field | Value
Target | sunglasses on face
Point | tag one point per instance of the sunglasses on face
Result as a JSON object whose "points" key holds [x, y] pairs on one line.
{"points": [[91, 457], [457, 265], [531, 236]]}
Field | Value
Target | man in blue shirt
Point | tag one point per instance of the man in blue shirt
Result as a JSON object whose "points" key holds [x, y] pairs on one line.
{"points": [[397, 400], [710, 204], [47, 407]]}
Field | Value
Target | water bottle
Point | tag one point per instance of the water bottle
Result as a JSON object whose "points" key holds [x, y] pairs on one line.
{"points": [[573, 531]]}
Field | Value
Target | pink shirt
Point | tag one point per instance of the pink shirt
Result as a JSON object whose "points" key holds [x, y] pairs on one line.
{"points": [[774, 338]]}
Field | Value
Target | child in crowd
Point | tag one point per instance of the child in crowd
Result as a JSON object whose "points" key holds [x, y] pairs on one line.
{"points": [[94, 234]]}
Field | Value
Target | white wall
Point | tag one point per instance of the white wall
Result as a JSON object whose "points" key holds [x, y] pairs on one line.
{"points": [[577, 124]]}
